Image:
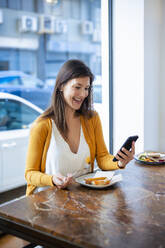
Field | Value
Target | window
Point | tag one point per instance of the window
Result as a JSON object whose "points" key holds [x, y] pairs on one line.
{"points": [[97, 93], [15, 115], [39, 50], [10, 81], [31, 56], [31, 82]]}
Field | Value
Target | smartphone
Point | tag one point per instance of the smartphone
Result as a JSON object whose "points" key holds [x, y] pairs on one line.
{"points": [[127, 144]]}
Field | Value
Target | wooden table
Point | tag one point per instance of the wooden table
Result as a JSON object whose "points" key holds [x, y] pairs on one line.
{"points": [[130, 214]]}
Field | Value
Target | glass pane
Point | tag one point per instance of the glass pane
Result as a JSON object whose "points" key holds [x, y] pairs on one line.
{"points": [[34, 47], [36, 38], [10, 81], [16, 115]]}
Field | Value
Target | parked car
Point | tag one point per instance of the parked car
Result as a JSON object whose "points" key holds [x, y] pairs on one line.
{"points": [[25, 86], [16, 116]]}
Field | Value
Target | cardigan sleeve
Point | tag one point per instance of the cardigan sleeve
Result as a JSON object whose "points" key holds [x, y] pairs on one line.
{"points": [[35, 154], [103, 157]]}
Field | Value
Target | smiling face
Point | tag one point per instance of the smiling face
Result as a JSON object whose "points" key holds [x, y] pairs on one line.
{"points": [[75, 91]]}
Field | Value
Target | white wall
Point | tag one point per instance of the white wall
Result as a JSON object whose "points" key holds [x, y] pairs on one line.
{"points": [[152, 74], [162, 83], [131, 16], [128, 71]]}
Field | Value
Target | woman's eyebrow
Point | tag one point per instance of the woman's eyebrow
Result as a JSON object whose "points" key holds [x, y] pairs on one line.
{"points": [[79, 84]]}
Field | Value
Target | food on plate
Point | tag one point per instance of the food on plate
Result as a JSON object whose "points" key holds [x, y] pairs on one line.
{"points": [[143, 157], [153, 154], [97, 180], [152, 157]]}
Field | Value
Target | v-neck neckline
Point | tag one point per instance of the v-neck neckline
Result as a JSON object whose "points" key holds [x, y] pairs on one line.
{"points": [[66, 143]]}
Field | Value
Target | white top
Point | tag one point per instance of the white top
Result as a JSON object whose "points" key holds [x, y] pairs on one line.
{"points": [[60, 159]]}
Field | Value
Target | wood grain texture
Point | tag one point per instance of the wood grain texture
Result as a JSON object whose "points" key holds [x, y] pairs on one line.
{"points": [[129, 214]]}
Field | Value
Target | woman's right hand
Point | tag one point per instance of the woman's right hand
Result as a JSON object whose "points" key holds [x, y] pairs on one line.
{"points": [[61, 181]]}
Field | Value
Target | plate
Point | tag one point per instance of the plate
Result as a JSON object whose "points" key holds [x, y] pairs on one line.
{"points": [[136, 157], [110, 175]]}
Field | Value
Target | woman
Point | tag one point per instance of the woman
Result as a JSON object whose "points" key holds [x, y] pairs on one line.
{"points": [[67, 137]]}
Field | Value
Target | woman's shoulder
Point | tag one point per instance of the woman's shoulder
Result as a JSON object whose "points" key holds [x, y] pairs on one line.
{"points": [[42, 123], [93, 118]]}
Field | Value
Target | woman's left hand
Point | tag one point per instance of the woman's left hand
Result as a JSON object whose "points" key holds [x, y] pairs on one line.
{"points": [[61, 181], [124, 159]]}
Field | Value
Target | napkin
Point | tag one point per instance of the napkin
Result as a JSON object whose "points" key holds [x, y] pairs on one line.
{"points": [[115, 179]]}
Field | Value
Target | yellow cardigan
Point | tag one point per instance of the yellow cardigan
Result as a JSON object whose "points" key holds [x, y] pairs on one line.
{"points": [[40, 135]]}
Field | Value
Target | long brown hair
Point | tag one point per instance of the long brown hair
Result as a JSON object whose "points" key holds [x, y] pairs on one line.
{"points": [[70, 70]]}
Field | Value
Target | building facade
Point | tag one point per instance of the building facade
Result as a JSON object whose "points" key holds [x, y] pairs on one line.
{"points": [[38, 36]]}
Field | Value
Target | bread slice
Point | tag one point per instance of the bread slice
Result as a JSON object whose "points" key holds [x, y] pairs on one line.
{"points": [[153, 154]]}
